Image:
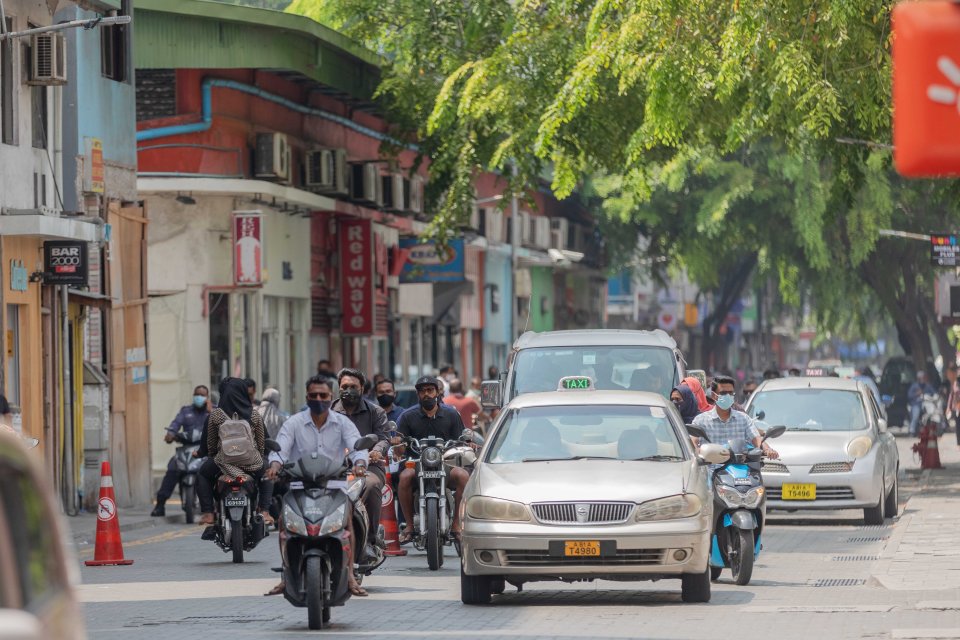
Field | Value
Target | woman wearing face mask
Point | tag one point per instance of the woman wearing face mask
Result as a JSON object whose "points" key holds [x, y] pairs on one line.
{"points": [[686, 404]]}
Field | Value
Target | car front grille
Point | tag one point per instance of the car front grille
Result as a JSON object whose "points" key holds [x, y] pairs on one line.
{"points": [[823, 494], [832, 467], [775, 467], [624, 557], [582, 512]]}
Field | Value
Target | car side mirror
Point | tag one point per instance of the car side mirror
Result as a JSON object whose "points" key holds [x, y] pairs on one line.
{"points": [[491, 394], [19, 625], [882, 425], [713, 454], [761, 415], [697, 432], [366, 443]]}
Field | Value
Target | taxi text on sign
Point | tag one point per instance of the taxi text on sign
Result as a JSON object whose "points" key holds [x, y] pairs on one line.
{"points": [[356, 277], [926, 88]]}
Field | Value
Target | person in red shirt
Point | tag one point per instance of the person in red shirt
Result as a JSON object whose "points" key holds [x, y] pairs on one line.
{"points": [[465, 405]]}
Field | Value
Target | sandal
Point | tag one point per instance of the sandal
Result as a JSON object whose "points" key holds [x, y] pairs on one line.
{"points": [[277, 590], [357, 590], [406, 536]]}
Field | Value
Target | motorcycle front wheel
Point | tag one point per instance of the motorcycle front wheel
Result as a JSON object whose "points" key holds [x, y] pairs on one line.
{"points": [[317, 613], [188, 495], [434, 545], [741, 556], [236, 541]]}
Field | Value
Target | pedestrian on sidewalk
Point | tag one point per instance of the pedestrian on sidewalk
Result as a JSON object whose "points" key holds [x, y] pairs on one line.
{"points": [[915, 395]]}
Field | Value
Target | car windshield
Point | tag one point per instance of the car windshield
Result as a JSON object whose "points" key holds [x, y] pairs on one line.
{"points": [[611, 368], [810, 409], [588, 432]]}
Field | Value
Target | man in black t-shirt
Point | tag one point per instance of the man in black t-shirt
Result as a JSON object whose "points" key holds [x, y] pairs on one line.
{"points": [[430, 418]]}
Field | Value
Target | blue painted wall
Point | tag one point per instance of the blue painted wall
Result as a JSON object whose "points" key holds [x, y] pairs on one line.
{"points": [[95, 107], [496, 325]]}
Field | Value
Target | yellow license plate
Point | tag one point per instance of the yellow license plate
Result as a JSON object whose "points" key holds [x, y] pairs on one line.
{"points": [[581, 548], [799, 492]]}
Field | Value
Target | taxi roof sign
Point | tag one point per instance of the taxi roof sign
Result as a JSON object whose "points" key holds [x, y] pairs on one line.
{"points": [[575, 383]]}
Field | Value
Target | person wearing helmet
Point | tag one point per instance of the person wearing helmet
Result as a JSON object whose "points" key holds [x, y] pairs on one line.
{"points": [[430, 418]]}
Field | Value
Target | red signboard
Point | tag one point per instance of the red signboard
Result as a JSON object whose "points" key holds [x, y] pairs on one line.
{"points": [[248, 249], [356, 277], [926, 88]]}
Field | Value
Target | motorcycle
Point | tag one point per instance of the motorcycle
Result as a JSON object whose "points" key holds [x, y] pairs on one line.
{"points": [[237, 525], [188, 466], [434, 501], [739, 507], [315, 543]]}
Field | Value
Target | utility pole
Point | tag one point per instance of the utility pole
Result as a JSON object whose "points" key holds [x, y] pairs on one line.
{"points": [[514, 258]]}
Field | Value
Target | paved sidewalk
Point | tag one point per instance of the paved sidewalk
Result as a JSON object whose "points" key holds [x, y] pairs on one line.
{"points": [[923, 552]]}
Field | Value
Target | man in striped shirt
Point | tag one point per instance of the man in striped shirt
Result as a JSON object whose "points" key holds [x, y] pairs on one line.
{"points": [[724, 423]]}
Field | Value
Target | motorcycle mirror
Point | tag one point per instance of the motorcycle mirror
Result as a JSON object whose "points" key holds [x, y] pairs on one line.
{"points": [[775, 432], [391, 426], [714, 453], [697, 432], [366, 443], [271, 445]]}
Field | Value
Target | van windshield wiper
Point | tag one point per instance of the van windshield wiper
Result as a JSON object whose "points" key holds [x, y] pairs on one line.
{"points": [[570, 458], [657, 458], [803, 429]]}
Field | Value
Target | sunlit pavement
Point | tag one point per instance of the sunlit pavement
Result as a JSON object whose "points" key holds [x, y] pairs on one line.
{"points": [[824, 575]]}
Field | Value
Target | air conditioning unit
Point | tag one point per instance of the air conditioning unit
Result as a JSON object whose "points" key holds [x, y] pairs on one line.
{"points": [[325, 171], [559, 228], [541, 231], [392, 192], [272, 157], [494, 228], [415, 198], [365, 183], [48, 59]]}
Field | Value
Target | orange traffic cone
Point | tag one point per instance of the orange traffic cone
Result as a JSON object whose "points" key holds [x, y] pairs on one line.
{"points": [[388, 518], [109, 549]]}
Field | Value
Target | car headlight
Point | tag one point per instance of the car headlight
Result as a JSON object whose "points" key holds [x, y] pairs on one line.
{"points": [[752, 497], [293, 522], [683, 506], [334, 521], [730, 496], [431, 458], [483, 508], [859, 447]]}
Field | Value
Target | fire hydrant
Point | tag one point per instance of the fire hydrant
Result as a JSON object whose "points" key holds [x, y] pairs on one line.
{"points": [[927, 448]]}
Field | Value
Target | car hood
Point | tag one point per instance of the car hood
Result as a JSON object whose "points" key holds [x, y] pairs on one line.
{"points": [[584, 480], [811, 447]]}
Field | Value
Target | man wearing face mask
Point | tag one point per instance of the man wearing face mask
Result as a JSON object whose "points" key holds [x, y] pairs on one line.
{"points": [[387, 398], [187, 428], [369, 419], [724, 423]]}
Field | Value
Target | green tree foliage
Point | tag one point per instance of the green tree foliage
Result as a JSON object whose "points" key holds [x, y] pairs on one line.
{"points": [[723, 130]]}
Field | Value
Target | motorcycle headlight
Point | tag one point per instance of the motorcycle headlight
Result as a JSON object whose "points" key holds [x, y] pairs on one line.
{"points": [[482, 508], [859, 447], [431, 458], [730, 496], [684, 506], [753, 497], [293, 522], [334, 521]]}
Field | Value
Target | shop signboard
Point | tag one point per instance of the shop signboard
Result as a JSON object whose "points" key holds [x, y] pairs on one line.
{"points": [[248, 248], [356, 277], [426, 262], [65, 262]]}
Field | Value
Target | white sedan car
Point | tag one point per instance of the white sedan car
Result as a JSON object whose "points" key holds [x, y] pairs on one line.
{"points": [[836, 453], [579, 485]]}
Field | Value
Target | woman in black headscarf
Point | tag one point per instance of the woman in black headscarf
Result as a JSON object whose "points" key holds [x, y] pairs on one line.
{"points": [[685, 402], [234, 401]]}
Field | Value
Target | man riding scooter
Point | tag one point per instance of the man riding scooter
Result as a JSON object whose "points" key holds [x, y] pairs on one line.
{"points": [[185, 428]]}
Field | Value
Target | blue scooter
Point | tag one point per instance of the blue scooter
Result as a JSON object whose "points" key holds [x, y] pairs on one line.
{"points": [[739, 507]]}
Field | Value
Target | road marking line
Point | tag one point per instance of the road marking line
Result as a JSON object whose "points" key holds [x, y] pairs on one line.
{"points": [[853, 608]]}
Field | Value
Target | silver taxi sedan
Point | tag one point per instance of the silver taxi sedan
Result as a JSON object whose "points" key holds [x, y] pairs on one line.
{"points": [[578, 485], [837, 452]]}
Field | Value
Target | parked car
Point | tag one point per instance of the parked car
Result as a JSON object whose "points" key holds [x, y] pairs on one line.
{"points": [[898, 374], [581, 484], [836, 453], [37, 570]]}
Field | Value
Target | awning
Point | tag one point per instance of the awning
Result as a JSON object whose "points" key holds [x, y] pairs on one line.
{"points": [[89, 299], [31, 222]]}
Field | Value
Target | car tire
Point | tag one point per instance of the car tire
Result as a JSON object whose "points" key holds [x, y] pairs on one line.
{"points": [[892, 503], [715, 573], [874, 515], [474, 589], [695, 587]]}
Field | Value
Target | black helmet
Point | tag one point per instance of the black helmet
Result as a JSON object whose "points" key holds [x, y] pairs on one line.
{"points": [[426, 381]]}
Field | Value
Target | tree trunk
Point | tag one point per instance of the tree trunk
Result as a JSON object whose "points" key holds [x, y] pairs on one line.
{"points": [[731, 288]]}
